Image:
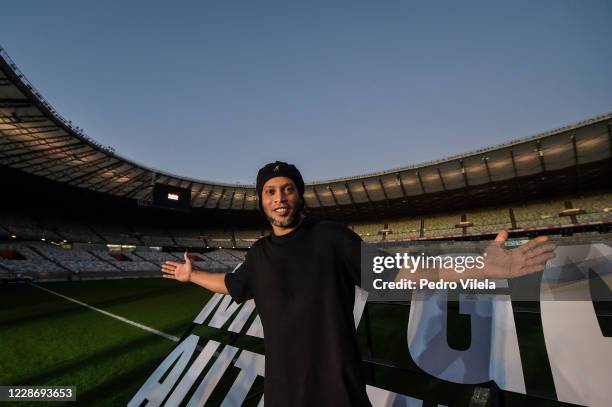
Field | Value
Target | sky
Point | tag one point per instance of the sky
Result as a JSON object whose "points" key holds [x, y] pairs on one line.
{"points": [[214, 90]]}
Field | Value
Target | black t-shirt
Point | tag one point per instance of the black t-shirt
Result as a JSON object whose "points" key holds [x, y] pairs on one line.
{"points": [[303, 284]]}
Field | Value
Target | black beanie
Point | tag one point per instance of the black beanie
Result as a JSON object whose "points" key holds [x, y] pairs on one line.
{"points": [[278, 169]]}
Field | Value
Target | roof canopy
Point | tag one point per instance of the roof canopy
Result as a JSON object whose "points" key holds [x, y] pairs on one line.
{"points": [[38, 140]]}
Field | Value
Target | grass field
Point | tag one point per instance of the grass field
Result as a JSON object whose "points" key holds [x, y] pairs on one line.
{"points": [[48, 340]]}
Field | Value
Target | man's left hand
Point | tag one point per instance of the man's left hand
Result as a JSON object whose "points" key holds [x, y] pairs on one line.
{"points": [[528, 258]]}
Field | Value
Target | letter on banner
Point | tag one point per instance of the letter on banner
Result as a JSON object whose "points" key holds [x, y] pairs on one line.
{"points": [[493, 354], [224, 311], [361, 297], [242, 317], [256, 328], [251, 365], [210, 305], [580, 356], [210, 381], [153, 390], [192, 374]]}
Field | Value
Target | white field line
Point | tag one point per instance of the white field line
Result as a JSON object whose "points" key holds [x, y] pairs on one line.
{"points": [[108, 314]]}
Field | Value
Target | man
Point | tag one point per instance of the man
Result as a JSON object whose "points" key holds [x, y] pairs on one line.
{"points": [[302, 278]]}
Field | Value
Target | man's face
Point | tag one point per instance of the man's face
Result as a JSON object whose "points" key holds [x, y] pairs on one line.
{"points": [[280, 200]]}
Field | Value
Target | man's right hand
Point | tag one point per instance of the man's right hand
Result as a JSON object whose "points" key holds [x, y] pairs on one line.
{"points": [[177, 271]]}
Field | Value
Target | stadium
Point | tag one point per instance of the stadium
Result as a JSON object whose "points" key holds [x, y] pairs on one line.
{"points": [[84, 232]]}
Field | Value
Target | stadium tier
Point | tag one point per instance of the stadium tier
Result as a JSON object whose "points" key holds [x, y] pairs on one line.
{"points": [[21, 259], [245, 238], [155, 256], [47, 262], [56, 249], [489, 220], [565, 211]]}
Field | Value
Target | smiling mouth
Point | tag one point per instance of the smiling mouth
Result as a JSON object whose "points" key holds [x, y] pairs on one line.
{"points": [[282, 210]]}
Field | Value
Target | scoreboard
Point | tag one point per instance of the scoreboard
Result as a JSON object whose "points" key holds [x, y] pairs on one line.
{"points": [[171, 197]]}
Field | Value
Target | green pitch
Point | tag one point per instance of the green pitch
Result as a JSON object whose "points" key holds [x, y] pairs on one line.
{"points": [[47, 340]]}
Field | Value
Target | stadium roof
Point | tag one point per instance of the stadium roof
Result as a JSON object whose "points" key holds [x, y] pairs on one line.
{"points": [[38, 140]]}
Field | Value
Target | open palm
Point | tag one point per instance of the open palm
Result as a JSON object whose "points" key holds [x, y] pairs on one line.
{"points": [[176, 270], [528, 258]]}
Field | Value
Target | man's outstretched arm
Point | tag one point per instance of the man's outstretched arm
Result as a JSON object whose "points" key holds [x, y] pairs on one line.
{"points": [[184, 272]]}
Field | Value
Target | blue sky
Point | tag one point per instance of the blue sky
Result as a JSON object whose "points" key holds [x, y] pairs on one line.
{"points": [[215, 89]]}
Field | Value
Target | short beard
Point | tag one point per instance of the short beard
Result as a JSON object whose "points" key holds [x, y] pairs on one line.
{"points": [[287, 222]]}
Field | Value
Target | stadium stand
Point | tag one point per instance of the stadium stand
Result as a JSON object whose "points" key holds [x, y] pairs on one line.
{"points": [[538, 214], [25, 227], [596, 207], [408, 228], [73, 231], [442, 225], [132, 258], [203, 262], [489, 220], [17, 258], [75, 260], [219, 238], [115, 233], [155, 256], [368, 231], [151, 236], [224, 257], [239, 254], [245, 238], [187, 238], [123, 260], [587, 208]]}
